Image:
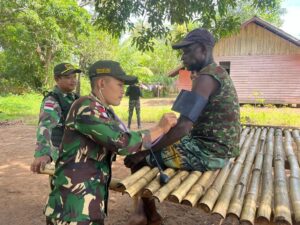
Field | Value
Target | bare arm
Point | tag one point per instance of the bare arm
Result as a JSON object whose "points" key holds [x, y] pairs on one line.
{"points": [[203, 85]]}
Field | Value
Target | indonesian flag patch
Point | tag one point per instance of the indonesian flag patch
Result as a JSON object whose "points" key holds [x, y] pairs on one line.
{"points": [[49, 105], [102, 111]]}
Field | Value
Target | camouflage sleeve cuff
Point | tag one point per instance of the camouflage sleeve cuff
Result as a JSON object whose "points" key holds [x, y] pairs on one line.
{"points": [[146, 137], [42, 152]]}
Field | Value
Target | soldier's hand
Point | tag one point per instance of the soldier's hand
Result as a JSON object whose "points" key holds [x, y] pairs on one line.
{"points": [[131, 161], [167, 121], [39, 163]]}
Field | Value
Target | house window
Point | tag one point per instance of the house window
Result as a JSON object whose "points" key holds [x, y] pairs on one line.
{"points": [[226, 66]]}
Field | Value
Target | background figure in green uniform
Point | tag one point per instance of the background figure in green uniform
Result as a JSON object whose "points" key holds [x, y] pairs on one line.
{"points": [[207, 133], [134, 93], [93, 136], [53, 112]]}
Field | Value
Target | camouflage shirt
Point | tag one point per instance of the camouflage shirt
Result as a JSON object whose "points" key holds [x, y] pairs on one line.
{"points": [[218, 127], [93, 135], [49, 118]]}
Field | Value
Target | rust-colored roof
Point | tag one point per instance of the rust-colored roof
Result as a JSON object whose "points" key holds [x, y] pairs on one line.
{"points": [[175, 71]]}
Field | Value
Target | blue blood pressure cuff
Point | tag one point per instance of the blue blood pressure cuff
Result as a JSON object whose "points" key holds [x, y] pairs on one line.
{"points": [[189, 104]]}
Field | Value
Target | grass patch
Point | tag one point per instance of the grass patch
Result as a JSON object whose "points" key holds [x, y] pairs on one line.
{"points": [[149, 113], [20, 107], [271, 116], [26, 108]]}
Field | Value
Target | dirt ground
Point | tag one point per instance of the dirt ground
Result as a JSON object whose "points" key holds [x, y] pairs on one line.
{"points": [[23, 194]]}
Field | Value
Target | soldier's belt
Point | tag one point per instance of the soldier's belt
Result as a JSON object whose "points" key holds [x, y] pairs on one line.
{"points": [[263, 181]]}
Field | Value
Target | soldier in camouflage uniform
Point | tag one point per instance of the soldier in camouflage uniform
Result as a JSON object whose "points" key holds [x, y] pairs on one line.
{"points": [[134, 93], [53, 112], [93, 136], [209, 141]]}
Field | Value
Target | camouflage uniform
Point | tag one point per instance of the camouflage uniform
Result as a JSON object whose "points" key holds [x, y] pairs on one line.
{"points": [[215, 135], [93, 135], [51, 119], [134, 93]]}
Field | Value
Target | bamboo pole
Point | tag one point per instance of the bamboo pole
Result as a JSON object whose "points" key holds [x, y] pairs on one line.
{"points": [[154, 185], [199, 188], [294, 176], [210, 197], [235, 206], [114, 183], [227, 192], [265, 206], [175, 181], [296, 136], [243, 136], [177, 195], [249, 207], [282, 211], [142, 182], [126, 182]]}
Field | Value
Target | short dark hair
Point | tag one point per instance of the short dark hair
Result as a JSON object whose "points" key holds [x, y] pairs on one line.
{"points": [[93, 80]]}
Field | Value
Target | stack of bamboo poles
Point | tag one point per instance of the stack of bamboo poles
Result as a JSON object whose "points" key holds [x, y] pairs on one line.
{"points": [[254, 187]]}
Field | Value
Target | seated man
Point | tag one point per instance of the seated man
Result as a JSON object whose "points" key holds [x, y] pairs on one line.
{"points": [[207, 134]]}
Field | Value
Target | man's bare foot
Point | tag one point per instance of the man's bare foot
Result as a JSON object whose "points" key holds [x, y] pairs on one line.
{"points": [[155, 219], [137, 219]]}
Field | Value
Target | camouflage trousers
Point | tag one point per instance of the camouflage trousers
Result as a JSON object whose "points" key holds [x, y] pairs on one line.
{"points": [[187, 154], [50, 221], [134, 104], [60, 222]]}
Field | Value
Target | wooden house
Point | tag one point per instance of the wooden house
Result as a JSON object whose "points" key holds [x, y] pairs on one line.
{"points": [[263, 61]]}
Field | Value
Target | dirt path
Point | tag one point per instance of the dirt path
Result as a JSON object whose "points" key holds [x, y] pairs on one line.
{"points": [[23, 194]]}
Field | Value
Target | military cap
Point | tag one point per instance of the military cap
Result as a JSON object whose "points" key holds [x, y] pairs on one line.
{"points": [[110, 68], [65, 69], [199, 35]]}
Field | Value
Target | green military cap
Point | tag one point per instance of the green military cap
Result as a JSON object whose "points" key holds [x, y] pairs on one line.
{"points": [[110, 68], [65, 69]]}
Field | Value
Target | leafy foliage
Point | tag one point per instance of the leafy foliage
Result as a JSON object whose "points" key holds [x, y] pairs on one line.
{"points": [[117, 16], [36, 34]]}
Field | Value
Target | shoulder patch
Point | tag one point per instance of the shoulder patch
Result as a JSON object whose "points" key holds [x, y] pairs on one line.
{"points": [[219, 69], [102, 111], [49, 105]]}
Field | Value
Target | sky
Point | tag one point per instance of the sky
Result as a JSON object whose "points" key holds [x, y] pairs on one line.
{"points": [[291, 18]]}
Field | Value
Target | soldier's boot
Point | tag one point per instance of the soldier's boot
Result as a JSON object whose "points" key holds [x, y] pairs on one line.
{"points": [[154, 218]]}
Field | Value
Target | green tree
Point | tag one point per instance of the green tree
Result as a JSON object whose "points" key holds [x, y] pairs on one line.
{"points": [[149, 65], [245, 11], [117, 16], [35, 34]]}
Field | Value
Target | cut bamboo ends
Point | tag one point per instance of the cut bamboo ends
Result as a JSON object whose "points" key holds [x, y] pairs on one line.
{"points": [[256, 187], [125, 183], [198, 190], [141, 182], [178, 194]]}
